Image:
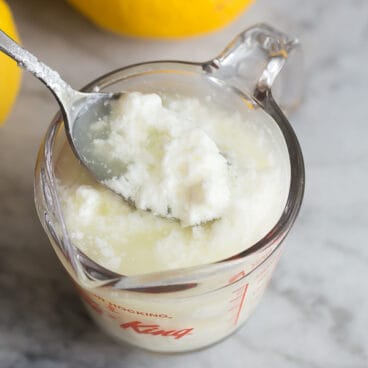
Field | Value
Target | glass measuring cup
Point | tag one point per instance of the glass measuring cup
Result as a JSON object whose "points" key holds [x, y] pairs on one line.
{"points": [[185, 309]]}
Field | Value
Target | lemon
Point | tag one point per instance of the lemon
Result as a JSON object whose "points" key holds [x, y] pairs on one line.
{"points": [[160, 18], [9, 72]]}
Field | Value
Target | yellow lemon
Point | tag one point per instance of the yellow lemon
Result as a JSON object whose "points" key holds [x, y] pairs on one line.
{"points": [[9, 72], [160, 18]]}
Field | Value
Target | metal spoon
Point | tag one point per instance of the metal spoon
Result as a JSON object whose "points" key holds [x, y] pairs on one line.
{"points": [[77, 107], [80, 110]]}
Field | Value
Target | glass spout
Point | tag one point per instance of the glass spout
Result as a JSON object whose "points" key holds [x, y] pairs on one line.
{"points": [[252, 63]]}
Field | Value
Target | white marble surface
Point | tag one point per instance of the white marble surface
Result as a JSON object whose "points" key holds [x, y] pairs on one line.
{"points": [[315, 313]]}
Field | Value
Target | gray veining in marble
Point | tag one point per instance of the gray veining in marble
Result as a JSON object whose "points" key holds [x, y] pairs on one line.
{"points": [[315, 313]]}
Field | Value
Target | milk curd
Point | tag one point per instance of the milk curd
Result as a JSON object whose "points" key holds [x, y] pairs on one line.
{"points": [[206, 182]]}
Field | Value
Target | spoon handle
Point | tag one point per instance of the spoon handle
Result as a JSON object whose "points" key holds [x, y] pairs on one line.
{"points": [[62, 91]]}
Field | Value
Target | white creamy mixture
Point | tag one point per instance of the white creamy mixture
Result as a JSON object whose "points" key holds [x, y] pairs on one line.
{"points": [[224, 174], [173, 167]]}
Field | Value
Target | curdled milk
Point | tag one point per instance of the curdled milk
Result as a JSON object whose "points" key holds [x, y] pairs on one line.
{"points": [[169, 165], [222, 175]]}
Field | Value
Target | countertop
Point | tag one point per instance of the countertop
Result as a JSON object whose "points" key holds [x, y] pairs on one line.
{"points": [[314, 313]]}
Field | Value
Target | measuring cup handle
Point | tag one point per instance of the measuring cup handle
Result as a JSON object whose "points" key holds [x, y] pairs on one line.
{"points": [[253, 60]]}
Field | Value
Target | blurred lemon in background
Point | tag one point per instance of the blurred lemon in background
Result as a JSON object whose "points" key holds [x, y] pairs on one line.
{"points": [[9, 72], [161, 18]]}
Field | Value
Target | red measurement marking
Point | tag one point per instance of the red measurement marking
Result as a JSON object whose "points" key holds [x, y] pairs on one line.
{"points": [[239, 289], [235, 299], [234, 307], [236, 277], [241, 304]]}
